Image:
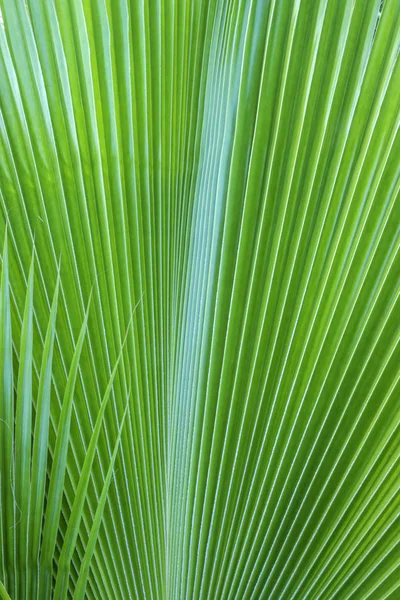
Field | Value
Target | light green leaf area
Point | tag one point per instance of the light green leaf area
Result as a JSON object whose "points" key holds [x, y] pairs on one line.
{"points": [[200, 299]]}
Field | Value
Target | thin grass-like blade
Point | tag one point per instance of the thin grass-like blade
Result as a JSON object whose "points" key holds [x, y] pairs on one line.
{"points": [[3, 593], [97, 521], [41, 446], [74, 522], [56, 486], [7, 475], [23, 438]]}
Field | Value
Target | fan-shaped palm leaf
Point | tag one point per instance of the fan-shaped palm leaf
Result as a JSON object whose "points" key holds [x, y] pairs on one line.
{"points": [[231, 169]]}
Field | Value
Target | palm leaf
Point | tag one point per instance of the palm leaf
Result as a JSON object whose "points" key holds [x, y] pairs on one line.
{"points": [[31, 531], [231, 170]]}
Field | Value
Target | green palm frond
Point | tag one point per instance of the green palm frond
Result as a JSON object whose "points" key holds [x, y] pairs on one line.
{"points": [[30, 524], [221, 180]]}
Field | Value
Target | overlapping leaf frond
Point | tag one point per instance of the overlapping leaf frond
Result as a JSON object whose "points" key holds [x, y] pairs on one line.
{"points": [[228, 173], [30, 522]]}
